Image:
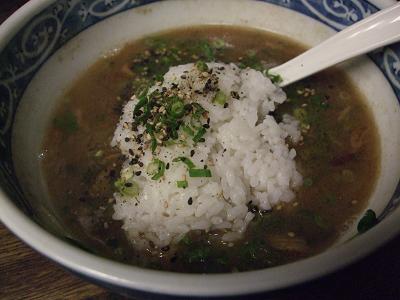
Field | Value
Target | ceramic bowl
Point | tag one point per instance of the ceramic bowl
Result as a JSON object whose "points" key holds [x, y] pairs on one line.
{"points": [[47, 43]]}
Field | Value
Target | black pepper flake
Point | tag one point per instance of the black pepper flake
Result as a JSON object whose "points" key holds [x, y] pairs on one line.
{"points": [[138, 173], [127, 139], [128, 184], [206, 126], [235, 95], [130, 152], [205, 167], [190, 201], [140, 164], [226, 105], [134, 161], [167, 166], [208, 121], [191, 153]]}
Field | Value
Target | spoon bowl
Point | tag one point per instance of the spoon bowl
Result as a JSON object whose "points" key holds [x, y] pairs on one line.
{"points": [[378, 30]]}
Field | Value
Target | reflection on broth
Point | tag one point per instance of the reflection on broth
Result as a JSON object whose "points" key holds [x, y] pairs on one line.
{"points": [[337, 155]]}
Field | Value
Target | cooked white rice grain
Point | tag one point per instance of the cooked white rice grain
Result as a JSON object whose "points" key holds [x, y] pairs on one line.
{"points": [[245, 149]]}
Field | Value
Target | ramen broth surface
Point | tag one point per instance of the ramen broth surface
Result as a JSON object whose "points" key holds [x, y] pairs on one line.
{"points": [[338, 158]]}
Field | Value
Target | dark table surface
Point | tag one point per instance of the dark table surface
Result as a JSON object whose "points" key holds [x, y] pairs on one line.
{"points": [[25, 274]]}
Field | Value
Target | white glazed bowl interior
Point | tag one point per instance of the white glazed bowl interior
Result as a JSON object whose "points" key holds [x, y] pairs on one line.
{"points": [[56, 75]]}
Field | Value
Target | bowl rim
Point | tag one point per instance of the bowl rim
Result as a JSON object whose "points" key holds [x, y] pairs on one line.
{"points": [[182, 284]]}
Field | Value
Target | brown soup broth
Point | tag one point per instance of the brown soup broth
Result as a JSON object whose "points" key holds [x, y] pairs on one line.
{"points": [[338, 158]]}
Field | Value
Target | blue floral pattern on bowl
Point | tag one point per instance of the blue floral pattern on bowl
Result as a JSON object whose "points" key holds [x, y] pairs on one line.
{"points": [[57, 24]]}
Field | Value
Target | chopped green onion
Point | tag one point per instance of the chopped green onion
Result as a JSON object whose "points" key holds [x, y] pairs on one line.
{"points": [[300, 114], [177, 109], [201, 66], [199, 173], [141, 103], [152, 168], [218, 43], [220, 98], [150, 130], [153, 143], [127, 188], [367, 221], [198, 111], [275, 78], [207, 50], [198, 137], [186, 161], [159, 167], [182, 184], [188, 130]]}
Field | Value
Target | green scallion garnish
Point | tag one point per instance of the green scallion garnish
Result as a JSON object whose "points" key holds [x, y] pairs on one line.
{"points": [[201, 66], [182, 184], [186, 161], [199, 134], [160, 170], [198, 111], [199, 173], [127, 188], [368, 221], [220, 98], [156, 168], [141, 103], [177, 109], [188, 130]]}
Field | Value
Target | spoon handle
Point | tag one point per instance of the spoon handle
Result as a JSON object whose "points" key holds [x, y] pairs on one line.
{"points": [[378, 30]]}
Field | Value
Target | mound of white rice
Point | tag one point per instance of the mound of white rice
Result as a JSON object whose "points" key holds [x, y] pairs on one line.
{"points": [[245, 149]]}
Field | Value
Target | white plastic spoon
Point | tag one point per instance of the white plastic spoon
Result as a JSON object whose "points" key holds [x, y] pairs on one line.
{"points": [[378, 30]]}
